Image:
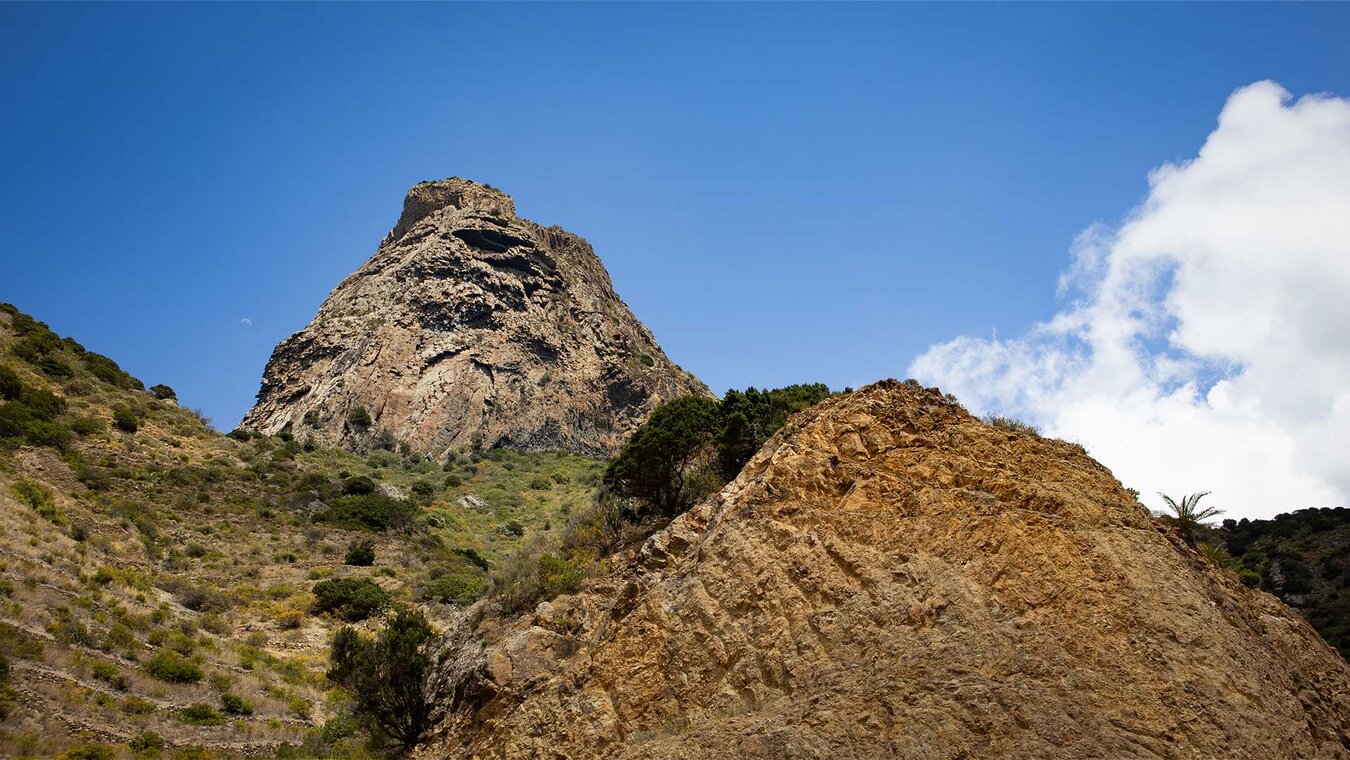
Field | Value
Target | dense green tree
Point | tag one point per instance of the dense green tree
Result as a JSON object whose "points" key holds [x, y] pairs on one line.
{"points": [[653, 466], [391, 678], [748, 418], [692, 444]]}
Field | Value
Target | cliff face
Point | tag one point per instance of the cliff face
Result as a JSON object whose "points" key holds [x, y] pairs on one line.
{"points": [[471, 325], [891, 577]]}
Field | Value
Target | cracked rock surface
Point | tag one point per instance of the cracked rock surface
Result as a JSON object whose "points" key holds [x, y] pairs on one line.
{"points": [[471, 325], [890, 577]]}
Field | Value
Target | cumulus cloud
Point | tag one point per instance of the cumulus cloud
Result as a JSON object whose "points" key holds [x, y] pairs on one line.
{"points": [[1204, 342]]}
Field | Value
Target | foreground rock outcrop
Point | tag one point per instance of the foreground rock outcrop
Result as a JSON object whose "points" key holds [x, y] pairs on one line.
{"points": [[471, 326], [891, 577]]}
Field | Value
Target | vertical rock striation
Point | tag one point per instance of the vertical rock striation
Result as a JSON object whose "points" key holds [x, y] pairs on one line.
{"points": [[471, 326]]}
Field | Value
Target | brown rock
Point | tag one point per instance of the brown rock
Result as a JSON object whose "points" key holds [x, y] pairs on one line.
{"points": [[891, 577], [471, 325]]}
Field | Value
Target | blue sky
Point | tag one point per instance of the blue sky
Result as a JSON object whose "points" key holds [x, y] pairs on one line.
{"points": [[782, 193]]}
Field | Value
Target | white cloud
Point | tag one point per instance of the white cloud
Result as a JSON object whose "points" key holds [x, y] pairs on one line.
{"points": [[246, 322], [1205, 344]]}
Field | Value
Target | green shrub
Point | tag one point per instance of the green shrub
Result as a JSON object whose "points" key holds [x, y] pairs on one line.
{"points": [[163, 392], [137, 706], [168, 665], [54, 367], [381, 458], [385, 440], [124, 419], [6, 697], [453, 481], [358, 485], [148, 741], [473, 556], [235, 705], [558, 576], [370, 511], [106, 369], [89, 751], [200, 714], [11, 387], [18, 422], [541, 483], [83, 426], [423, 489], [361, 553], [43, 404], [351, 599], [39, 498], [459, 588], [359, 420], [109, 674]]}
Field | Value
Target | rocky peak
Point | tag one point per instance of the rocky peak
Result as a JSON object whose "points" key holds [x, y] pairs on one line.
{"points": [[891, 577], [470, 327], [426, 198]]}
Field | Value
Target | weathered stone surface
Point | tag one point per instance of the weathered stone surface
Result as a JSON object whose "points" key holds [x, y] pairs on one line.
{"points": [[471, 325], [891, 577]]}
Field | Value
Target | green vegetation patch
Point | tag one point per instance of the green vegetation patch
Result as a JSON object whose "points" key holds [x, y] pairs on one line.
{"points": [[351, 599]]}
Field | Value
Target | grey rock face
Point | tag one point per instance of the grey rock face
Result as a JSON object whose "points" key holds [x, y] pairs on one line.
{"points": [[471, 326]]}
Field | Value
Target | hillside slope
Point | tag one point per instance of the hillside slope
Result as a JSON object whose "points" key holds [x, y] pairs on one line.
{"points": [[470, 326], [891, 577], [159, 581], [1303, 557]]}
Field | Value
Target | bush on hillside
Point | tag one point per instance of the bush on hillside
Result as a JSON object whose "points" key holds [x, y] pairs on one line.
{"points": [[358, 485], [351, 599], [168, 665], [423, 490], [6, 697], [200, 714], [232, 704], [11, 387], [372, 511], [106, 369], [163, 392], [89, 751], [359, 420], [39, 498], [385, 440], [124, 419], [456, 588], [360, 553]]}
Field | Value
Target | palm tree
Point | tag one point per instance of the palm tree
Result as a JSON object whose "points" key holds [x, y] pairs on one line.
{"points": [[1188, 514]]}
